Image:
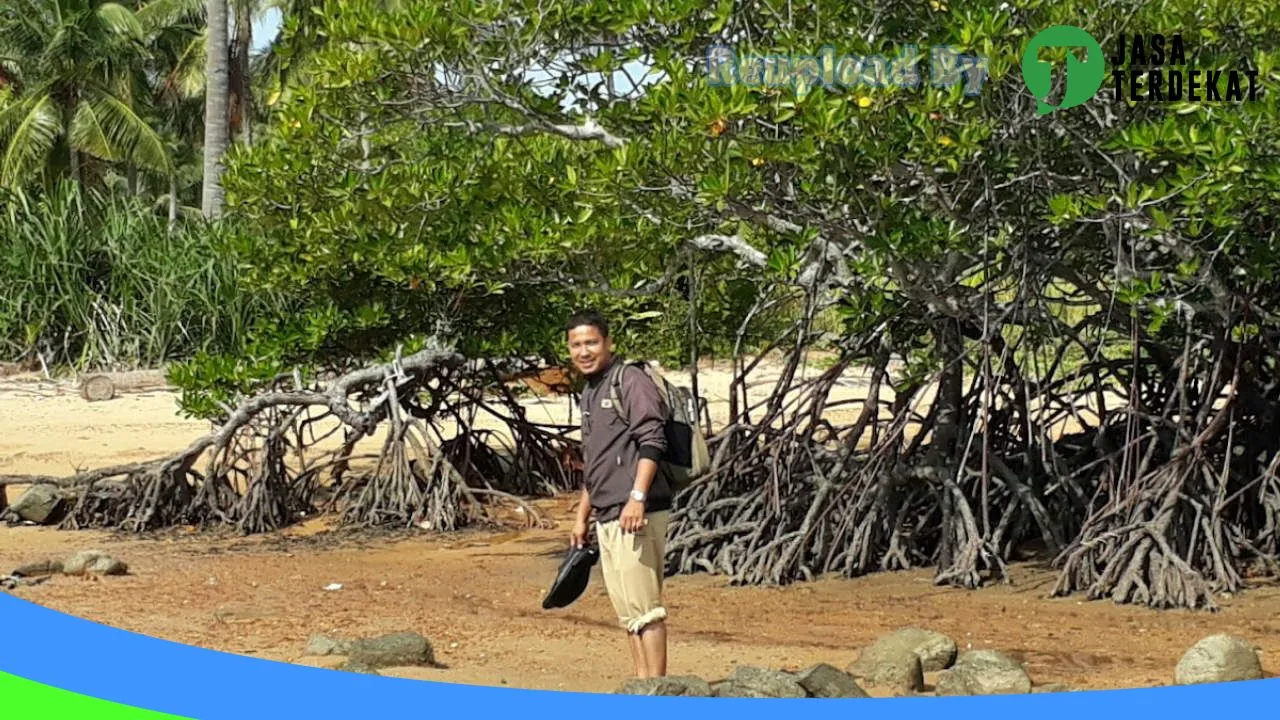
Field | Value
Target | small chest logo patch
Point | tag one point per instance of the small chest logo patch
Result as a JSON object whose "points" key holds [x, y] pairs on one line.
{"points": [[606, 403]]}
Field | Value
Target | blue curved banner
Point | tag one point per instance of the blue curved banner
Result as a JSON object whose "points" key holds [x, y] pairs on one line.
{"points": [[56, 650]]}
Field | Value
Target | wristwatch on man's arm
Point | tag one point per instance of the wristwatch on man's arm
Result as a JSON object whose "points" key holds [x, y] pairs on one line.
{"points": [[637, 495]]}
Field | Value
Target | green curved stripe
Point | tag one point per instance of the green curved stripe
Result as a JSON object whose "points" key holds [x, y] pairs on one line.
{"points": [[24, 699]]}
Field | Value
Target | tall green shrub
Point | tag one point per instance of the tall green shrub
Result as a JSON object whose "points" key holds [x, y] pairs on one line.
{"points": [[96, 281]]}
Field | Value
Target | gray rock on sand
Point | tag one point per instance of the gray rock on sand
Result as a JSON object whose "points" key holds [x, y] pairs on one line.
{"points": [[108, 566], [935, 650], [322, 645], [754, 682], [37, 504], [825, 681], [1218, 658], [93, 562], [984, 672], [896, 667], [395, 650], [672, 685]]}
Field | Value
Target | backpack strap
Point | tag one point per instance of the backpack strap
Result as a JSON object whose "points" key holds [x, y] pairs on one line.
{"points": [[615, 390], [615, 394], [615, 387]]}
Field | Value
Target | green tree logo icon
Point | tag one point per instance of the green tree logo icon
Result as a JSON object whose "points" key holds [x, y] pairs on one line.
{"points": [[1084, 77]]}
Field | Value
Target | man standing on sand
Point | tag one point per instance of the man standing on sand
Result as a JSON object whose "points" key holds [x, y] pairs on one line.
{"points": [[622, 485]]}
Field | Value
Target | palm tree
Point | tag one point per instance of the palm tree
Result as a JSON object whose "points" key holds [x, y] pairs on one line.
{"points": [[184, 21], [72, 66], [240, 92], [215, 108], [176, 35]]}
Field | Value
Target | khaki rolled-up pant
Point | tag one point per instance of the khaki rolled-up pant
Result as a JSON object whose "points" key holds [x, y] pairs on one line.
{"points": [[633, 566]]}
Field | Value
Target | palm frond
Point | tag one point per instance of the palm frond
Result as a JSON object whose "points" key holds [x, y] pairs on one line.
{"points": [[88, 135], [187, 75], [120, 20], [160, 14], [123, 133], [28, 130], [23, 38]]}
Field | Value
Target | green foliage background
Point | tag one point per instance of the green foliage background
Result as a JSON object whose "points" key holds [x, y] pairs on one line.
{"points": [[381, 205]]}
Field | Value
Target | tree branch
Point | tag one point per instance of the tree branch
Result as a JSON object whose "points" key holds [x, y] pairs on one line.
{"points": [[589, 130], [731, 243]]}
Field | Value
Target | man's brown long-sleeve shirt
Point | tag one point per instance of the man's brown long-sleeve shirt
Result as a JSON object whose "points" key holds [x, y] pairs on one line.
{"points": [[612, 449]]}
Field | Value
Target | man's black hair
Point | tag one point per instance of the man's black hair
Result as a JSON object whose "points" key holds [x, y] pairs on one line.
{"points": [[588, 317]]}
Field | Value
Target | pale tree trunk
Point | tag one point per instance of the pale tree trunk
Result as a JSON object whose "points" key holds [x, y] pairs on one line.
{"points": [[173, 201], [215, 109], [365, 145], [240, 100]]}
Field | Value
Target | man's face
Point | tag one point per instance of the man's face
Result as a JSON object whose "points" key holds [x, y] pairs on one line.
{"points": [[589, 349]]}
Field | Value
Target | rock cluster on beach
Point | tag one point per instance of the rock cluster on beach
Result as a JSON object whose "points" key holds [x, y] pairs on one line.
{"points": [[85, 563], [896, 664]]}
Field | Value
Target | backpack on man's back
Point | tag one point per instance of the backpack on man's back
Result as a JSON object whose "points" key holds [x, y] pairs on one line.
{"points": [[687, 457]]}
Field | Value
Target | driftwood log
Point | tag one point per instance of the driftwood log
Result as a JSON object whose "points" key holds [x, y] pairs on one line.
{"points": [[99, 387]]}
